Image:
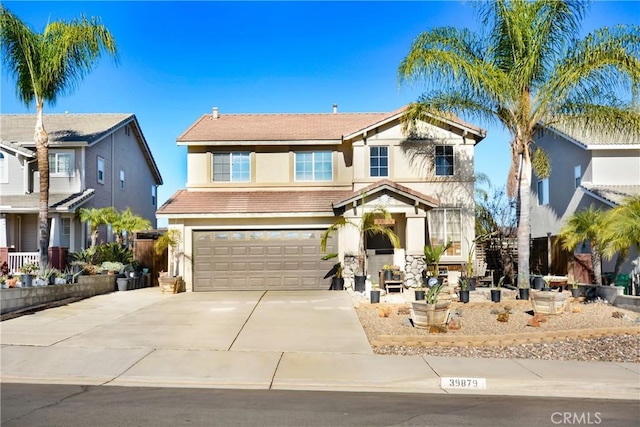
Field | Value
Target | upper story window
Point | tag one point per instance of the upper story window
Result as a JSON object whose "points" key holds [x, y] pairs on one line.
{"points": [[543, 192], [153, 195], [231, 167], [379, 161], [4, 168], [100, 168], [61, 163], [127, 130], [122, 180], [444, 160], [65, 226], [577, 175], [314, 166], [445, 225]]}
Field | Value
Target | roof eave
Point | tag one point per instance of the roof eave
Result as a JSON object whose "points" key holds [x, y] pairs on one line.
{"points": [[279, 142]]}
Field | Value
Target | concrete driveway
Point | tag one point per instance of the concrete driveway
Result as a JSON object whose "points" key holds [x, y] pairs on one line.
{"points": [[273, 321]]}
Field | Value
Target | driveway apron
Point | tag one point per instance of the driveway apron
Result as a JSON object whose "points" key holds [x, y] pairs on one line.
{"points": [[304, 321]]}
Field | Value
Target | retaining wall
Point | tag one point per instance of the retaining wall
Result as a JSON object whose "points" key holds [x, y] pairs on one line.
{"points": [[20, 298]]}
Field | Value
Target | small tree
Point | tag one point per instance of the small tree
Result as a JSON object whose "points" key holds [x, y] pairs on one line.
{"points": [[367, 225], [128, 222], [171, 240], [583, 225], [96, 217], [621, 231]]}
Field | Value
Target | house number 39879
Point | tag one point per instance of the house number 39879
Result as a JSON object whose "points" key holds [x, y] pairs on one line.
{"points": [[461, 382]]}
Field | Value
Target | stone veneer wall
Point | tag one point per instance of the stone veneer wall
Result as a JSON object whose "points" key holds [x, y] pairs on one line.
{"points": [[19, 298], [414, 265]]}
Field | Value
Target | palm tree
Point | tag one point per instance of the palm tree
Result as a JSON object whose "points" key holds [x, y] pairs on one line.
{"points": [[47, 65], [621, 230], [583, 225], [528, 72], [127, 221], [366, 226], [96, 217]]}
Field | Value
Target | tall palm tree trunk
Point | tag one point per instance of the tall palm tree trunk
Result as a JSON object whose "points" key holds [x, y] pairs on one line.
{"points": [[596, 264], [42, 148], [524, 219]]}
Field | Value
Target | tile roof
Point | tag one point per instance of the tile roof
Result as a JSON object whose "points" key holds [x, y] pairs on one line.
{"points": [[278, 127], [588, 138], [289, 127], [253, 202], [65, 202], [61, 127], [614, 194]]}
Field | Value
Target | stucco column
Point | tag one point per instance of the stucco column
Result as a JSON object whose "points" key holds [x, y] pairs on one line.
{"points": [[415, 232], [55, 230], [3, 231]]}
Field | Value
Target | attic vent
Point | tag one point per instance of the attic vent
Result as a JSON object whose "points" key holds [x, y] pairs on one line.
{"points": [[335, 108], [214, 114]]}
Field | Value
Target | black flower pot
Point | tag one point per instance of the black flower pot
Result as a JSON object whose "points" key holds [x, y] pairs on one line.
{"points": [[359, 282], [375, 297], [464, 296], [388, 275], [419, 295], [472, 284], [575, 292], [537, 282], [337, 283], [495, 295], [523, 293]]}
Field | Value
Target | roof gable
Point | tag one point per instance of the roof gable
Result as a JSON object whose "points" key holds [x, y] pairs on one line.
{"points": [[387, 186]]}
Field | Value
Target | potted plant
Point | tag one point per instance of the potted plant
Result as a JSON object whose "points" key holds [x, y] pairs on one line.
{"points": [[26, 273], [496, 291], [575, 290], [463, 293], [387, 270], [471, 277], [337, 281], [366, 225], [432, 256], [112, 267], [375, 293], [547, 283], [171, 239], [523, 290], [431, 312], [419, 291]]}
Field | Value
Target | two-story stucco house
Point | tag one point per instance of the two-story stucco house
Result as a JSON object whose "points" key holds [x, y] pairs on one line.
{"points": [[586, 170], [95, 161], [262, 188]]}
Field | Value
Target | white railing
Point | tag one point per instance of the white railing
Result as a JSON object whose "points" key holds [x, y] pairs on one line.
{"points": [[18, 259]]}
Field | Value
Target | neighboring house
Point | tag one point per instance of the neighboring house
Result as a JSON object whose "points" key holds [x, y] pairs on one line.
{"points": [[261, 189], [95, 161], [586, 170]]}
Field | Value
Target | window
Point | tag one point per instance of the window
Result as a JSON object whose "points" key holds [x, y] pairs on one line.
{"points": [[4, 168], [444, 160], [445, 225], [100, 170], [127, 130], [65, 232], [543, 192], [577, 175], [314, 166], [61, 163], [122, 180], [231, 167], [153, 195], [378, 161]]}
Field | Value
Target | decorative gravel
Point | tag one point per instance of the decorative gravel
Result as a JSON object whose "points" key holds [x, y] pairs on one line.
{"points": [[481, 319]]}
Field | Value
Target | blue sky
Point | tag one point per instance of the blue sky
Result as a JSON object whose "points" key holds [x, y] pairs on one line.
{"points": [[180, 59]]}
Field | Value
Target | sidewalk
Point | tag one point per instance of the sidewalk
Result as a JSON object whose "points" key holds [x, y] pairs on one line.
{"points": [[254, 341]]}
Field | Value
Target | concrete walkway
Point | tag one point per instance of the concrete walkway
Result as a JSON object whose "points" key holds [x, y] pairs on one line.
{"points": [[306, 340]]}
